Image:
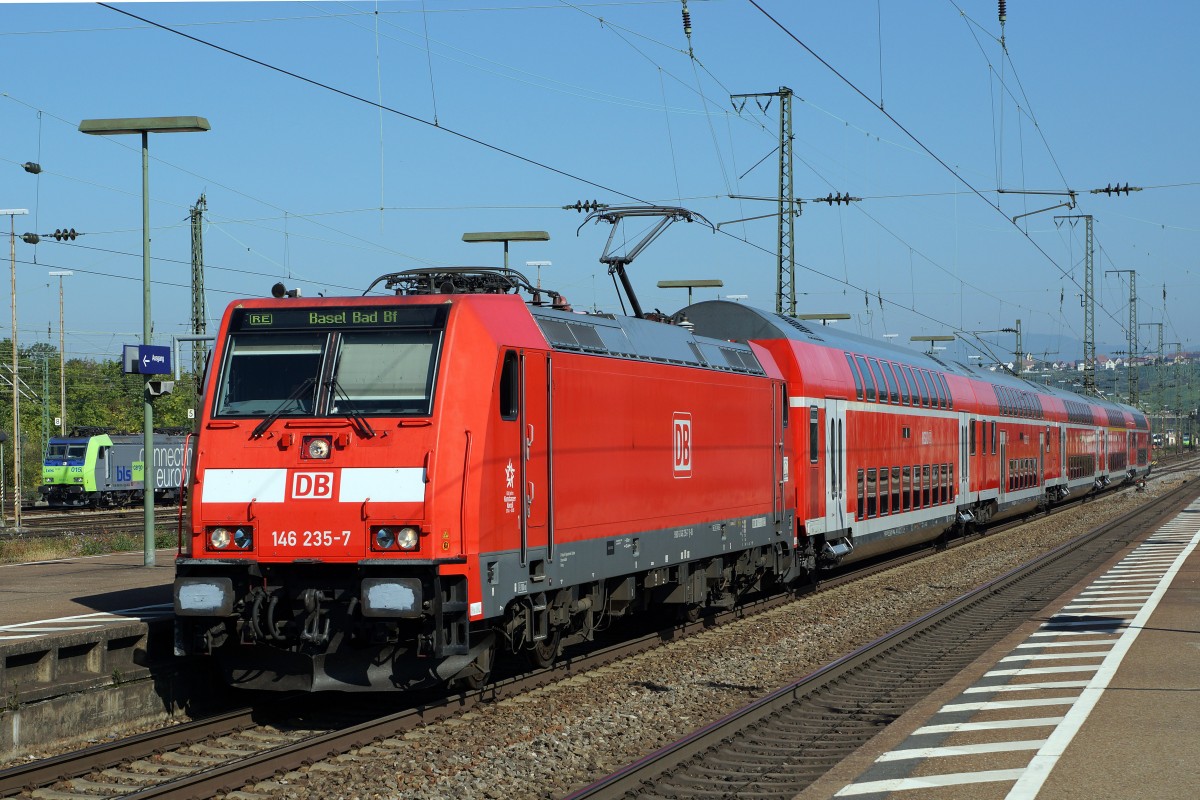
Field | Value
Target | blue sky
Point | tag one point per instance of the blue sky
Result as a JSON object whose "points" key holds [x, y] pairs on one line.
{"points": [[497, 113]]}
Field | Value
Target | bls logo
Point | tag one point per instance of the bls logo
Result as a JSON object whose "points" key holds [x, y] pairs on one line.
{"points": [[124, 475], [681, 422], [312, 485]]}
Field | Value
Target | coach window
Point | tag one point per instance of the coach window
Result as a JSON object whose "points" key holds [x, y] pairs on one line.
{"points": [[946, 390], [936, 482], [880, 380], [923, 386], [895, 490], [906, 489], [858, 384], [868, 380], [972, 427], [889, 372], [937, 390], [925, 486], [911, 395], [862, 499], [883, 491], [945, 483], [813, 434], [903, 384], [872, 495]]}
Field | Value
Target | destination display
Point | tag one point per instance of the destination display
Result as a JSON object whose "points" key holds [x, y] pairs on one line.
{"points": [[333, 317]]}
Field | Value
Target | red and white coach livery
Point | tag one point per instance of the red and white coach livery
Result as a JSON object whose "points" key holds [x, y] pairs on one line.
{"points": [[895, 447], [387, 491]]}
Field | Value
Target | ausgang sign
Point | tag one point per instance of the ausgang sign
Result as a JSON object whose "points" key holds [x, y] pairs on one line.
{"points": [[147, 359]]}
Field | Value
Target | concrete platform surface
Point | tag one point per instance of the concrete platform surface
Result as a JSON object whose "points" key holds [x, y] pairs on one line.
{"points": [[1097, 696]]}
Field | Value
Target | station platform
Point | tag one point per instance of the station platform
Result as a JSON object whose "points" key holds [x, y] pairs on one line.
{"points": [[67, 625], [1096, 696]]}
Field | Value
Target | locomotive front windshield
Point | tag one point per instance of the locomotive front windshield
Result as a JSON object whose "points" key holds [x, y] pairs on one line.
{"points": [[66, 451], [299, 363]]}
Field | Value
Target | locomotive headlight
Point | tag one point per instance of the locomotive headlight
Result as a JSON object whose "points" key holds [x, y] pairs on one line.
{"points": [[408, 538], [318, 447], [389, 538], [220, 538], [223, 538], [385, 538]]}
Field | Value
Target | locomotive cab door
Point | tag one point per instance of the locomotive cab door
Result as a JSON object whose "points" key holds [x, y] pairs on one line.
{"points": [[835, 465], [536, 491]]}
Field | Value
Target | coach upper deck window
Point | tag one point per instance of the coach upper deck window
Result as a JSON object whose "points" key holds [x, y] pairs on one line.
{"points": [[868, 380], [858, 385]]}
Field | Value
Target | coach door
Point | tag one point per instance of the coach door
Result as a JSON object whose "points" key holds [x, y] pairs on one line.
{"points": [[1041, 465], [835, 465], [537, 505], [1003, 464], [964, 460]]}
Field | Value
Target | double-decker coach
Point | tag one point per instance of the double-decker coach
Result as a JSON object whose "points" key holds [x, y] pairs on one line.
{"points": [[897, 447]]}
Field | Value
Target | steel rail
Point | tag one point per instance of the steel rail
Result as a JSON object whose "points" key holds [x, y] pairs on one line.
{"points": [[694, 749]]}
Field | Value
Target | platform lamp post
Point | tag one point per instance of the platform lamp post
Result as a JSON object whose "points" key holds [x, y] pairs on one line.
{"points": [[145, 126], [826, 317], [62, 353], [931, 340], [13, 213], [506, 237], [697, 283]]}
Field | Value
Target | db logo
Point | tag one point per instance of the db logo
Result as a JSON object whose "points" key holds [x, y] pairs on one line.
{"points": [[682, 425], [312, 485]]}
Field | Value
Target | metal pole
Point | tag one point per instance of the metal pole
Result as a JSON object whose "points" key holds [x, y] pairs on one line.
{"points": [[148, 421], [16, 378], [62, 365]]}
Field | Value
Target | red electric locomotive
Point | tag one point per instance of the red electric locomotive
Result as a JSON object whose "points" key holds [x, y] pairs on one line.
{"points": [[895, 447], [387, 491]]}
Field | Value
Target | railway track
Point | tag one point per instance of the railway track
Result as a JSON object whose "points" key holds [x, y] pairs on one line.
{"points": [[250, 746], [780, 744]]}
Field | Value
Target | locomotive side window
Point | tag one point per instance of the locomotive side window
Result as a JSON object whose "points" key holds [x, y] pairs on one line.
{"points": [[271, 374], [508, 387], [386, 372]]}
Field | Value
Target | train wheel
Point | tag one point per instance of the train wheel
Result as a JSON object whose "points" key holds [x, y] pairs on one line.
{"points": [[545, 652], [478, 673]]}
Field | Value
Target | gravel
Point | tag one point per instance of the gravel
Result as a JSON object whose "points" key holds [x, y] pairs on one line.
{"points": [[549, 741]]}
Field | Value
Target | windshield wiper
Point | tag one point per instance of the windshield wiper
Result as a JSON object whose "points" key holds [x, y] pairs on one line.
{"points": [[351, 413], [261, 428]]}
